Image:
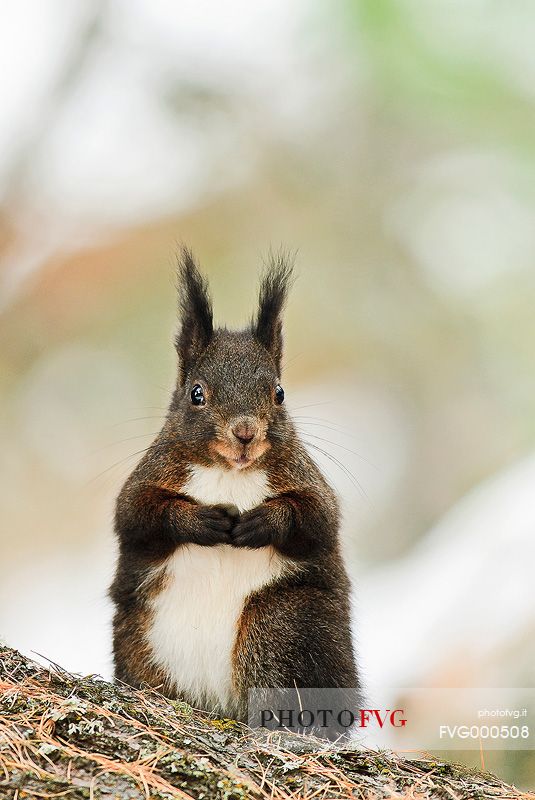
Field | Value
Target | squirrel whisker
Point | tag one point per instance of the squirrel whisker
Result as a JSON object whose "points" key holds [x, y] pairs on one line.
{"points": [[343, 467], [342, 447]]}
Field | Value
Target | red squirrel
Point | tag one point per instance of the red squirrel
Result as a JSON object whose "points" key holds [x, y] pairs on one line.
{"points": [[229, 573]]}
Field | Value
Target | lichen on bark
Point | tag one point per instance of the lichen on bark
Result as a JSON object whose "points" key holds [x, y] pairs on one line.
{"points": [[82, 738]]}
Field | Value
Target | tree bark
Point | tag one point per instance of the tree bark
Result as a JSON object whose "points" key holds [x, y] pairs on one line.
{"points": [[82, 738]]}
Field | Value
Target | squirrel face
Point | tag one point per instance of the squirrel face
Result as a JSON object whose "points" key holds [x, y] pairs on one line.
{"points": [[228, 399]]}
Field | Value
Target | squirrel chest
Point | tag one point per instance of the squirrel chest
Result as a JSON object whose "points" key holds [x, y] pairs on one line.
{"points": [[195, 616]]}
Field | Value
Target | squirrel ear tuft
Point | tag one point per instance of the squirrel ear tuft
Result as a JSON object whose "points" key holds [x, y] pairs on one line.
{"points": [[195, 308], [274, 286]]}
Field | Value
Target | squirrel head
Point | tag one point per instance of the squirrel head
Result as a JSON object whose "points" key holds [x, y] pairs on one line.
{"points": [[229, 402]]}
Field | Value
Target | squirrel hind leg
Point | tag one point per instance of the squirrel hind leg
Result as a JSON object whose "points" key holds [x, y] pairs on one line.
{"points": [[301, 641]]}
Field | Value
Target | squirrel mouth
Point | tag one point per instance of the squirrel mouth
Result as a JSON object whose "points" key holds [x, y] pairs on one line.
{"points": [[241, 457], [242, 461]]}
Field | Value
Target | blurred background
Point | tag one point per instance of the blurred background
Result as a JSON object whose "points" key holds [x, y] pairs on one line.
{"points": [[392, 144]]}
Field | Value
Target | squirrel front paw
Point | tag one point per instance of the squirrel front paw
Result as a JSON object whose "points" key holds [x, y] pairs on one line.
{"points": [[213, 526], [256, 528]]}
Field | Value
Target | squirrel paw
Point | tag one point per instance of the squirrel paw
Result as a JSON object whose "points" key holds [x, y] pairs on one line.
{"points": [[253, 529], [215, 525]]}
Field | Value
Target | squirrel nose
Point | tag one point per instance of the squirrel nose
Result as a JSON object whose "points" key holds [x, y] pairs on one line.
{"points": [[244, 432]]}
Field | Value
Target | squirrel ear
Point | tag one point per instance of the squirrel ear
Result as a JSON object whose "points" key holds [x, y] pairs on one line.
{"points": [[274, 287], [195, 310]]}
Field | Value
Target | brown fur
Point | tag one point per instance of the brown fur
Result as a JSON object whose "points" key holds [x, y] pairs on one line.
{"points": [[296, 630]]}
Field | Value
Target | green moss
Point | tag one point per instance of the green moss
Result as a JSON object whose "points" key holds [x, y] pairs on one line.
{"points": [[224, 724], [182, 709]]}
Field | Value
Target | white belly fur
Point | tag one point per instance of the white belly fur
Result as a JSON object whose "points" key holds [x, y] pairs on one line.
{"points": [[195, 615]]}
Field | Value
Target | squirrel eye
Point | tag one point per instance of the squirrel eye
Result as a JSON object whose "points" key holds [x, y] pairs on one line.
{"points": [[197, 395], [279, 395]]}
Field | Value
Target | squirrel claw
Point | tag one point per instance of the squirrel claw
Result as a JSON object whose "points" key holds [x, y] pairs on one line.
{"points": [[252, 530], [216, 525]]}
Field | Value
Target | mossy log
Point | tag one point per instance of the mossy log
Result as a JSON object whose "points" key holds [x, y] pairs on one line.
{"points": [[63, 736]]}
